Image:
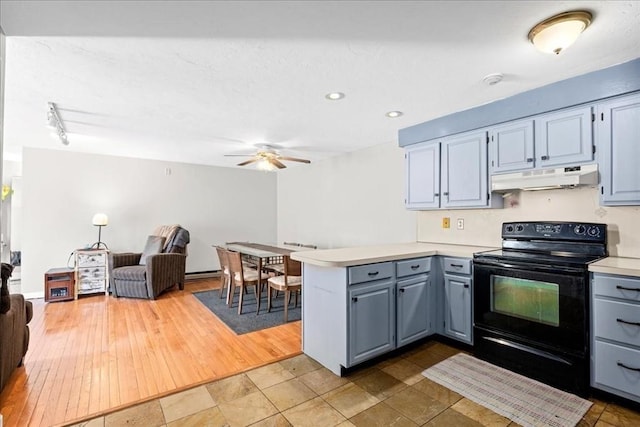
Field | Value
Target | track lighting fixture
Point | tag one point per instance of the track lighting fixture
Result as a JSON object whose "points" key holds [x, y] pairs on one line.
{"points": [[54, 121]]}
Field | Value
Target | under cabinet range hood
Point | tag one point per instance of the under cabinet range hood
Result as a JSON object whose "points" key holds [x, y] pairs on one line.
{"points": [[545, 179]]}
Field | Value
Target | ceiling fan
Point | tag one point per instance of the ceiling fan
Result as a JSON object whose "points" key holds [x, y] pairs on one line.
{"points": [[268, 158]]}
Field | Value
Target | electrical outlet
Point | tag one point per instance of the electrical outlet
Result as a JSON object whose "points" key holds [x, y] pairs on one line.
{"points": [[446, 222], [460, 224]]}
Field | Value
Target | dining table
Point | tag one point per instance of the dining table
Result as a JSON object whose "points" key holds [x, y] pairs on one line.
{"points": [[262, 255]]}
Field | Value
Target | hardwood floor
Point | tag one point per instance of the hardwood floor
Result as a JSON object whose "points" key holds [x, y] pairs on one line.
{"points": [[91, 356]]}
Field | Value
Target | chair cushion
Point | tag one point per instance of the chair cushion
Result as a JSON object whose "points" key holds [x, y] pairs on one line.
{"points": [[132, 272], [250, 276], [291, 280], [154, 246]]}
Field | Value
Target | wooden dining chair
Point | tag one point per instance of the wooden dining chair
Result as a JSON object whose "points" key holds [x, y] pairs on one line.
{"points": [[224, 268], [242, 278], [290, 281]]}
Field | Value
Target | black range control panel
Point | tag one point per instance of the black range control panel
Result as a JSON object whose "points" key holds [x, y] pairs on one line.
{"points": [[577, 231]]}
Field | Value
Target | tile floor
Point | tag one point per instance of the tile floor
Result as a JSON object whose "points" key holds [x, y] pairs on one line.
{"points": [[300, 392]]}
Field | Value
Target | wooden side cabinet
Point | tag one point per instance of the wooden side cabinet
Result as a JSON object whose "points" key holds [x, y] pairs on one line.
{"points": [[59, 284]]}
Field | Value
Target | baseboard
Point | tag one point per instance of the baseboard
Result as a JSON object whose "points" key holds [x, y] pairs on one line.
{"points": [[202, 274], [33, 295]]}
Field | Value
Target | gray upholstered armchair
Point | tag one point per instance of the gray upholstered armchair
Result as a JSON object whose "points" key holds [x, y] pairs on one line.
{"points": [[148, 274]]}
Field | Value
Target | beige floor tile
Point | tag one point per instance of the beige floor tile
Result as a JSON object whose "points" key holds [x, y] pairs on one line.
{"points": [[438, 392], [188, 402], [96, 422], [269, 375], [231, 388], [313, 413], [361, 372], [381, 415], [416, 406], [450, 418], [380, 384], [248, 409], [289, 394], [426, 358], [479, 413], [211, 417], [601, 423], [147, 415], [619, 416], [404, 370], [350, 399], [322, 380], [300, 365], [346, 423], [277, 420]]}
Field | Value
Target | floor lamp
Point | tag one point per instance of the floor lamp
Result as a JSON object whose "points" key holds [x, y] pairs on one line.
{"points": [[100, 220]]}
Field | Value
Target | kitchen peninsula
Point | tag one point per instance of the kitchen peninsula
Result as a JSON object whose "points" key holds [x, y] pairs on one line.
{"points": [[362, 302]]}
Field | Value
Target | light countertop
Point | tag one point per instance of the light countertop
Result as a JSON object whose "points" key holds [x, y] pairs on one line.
{"points": [[346, 257], [615, 265]]}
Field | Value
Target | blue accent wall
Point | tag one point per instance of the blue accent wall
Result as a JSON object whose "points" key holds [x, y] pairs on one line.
{"points": [[616, 80]]}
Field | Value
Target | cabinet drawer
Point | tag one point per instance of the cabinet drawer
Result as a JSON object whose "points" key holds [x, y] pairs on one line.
{"points": [[618, 321], [370, 272], [413, 266], [608, 370], [91, 273], [457, 265], [89, 259], [89, 286], [617, 286]]}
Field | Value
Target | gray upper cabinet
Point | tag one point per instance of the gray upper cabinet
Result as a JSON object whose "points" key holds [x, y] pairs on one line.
{"points": [[464, 177], [449, 173], [512, 147], [422, 165], [618, 123], [564, 137]]}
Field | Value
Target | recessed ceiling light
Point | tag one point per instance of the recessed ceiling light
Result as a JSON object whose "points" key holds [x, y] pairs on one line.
{"points": [[334, 96], [394, 114]]}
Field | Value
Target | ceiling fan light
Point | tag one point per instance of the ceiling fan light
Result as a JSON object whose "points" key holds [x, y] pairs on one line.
{"points": [[334, 96], [555, 34], [265, 165]]}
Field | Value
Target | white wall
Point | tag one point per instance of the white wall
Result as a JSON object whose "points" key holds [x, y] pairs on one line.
{"points": [[349, 200], [63, 190], [483, 226]]}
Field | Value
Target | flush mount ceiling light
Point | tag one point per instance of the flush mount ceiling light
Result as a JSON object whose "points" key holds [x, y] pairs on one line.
{"points": [[334, 96], [394, 114], [555, 34], [54, 121]]}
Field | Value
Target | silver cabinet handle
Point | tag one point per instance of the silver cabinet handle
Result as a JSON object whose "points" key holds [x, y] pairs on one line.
{"points": [[373, 273], [627, 289], [622, 365], [627, 322]]}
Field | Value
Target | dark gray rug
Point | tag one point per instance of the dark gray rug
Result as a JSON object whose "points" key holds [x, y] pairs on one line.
{"points": [[248, 321]]}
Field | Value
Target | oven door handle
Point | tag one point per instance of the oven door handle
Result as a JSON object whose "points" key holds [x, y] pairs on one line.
{"points": [[527, 267], [526, 348]]}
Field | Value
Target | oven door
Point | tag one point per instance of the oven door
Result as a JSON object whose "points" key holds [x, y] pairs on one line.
{"points": [[540, 305]]}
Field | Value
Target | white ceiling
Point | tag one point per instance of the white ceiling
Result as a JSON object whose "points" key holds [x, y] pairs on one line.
{"points": [[191, 81]]}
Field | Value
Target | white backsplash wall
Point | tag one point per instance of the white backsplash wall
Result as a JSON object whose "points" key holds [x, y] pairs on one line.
{"points": [[483, 226]]}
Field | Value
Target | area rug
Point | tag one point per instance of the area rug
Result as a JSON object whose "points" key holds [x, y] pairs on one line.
{"points": [[521, 399], [248, 321]]}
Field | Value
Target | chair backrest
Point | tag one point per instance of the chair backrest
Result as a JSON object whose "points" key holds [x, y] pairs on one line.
{"points": [[291, 266], [235, 265], [223, 258]]}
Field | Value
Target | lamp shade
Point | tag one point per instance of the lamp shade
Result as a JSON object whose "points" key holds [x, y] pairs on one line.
{"points": [[100, 219], [555, 34]]}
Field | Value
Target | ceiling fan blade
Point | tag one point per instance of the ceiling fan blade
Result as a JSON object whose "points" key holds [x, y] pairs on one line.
{"points": [[294, 159], [277, 163], [246, 162]]}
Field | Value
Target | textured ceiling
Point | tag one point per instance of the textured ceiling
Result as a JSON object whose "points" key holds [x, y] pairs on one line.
{"points": [[191, 81]]}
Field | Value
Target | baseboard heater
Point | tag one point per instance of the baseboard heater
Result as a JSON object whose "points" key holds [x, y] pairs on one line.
{"points": [[202, 274]]}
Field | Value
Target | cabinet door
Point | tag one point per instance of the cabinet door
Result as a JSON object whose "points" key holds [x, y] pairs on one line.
{"points": [[564, 138], [423, 176], [511, 147], [372, 318], [618, 123], [464, 178], [413, 309], [457, 307]]}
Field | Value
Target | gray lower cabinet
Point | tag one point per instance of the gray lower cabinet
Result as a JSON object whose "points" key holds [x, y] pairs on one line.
{"points": [[618, 123], [413, 315], [458, 314], [372, 318], [615, 331]]}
